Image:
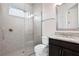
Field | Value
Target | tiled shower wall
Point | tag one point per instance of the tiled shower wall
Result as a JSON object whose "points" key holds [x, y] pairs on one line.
{"points": [[22, 39]]}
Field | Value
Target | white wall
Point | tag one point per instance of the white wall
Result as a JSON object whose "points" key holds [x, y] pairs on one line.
{"points": [[48, 19], [49, 27], [48, 11]]}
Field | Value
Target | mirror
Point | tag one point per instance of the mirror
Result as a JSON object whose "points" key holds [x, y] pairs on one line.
{"points": [[67, 17]]}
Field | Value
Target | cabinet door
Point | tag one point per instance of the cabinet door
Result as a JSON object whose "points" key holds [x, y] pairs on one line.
{"points": [[67, 52], [54, 51]]}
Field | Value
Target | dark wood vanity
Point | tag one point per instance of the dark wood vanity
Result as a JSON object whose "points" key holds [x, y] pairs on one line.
{"points": [[62, 48]]}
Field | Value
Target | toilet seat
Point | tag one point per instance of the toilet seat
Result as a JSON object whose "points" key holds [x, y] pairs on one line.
{"points": [[39, 47], [42, 49]]}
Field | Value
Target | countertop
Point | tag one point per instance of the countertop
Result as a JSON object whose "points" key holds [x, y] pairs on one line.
{"points": [[64, 38]]}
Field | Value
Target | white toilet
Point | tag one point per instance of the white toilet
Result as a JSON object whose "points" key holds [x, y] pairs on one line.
{"points": [[42, 49]]}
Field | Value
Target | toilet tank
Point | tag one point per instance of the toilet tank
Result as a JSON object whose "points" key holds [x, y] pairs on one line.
{"points": [[45, 40]]}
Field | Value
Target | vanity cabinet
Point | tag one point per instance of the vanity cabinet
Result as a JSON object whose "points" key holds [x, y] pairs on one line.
{"points": [[67, 52], [54, 50], [62, 48]]}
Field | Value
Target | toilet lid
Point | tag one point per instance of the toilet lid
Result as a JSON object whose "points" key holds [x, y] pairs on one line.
{"points": [[40, 47]]}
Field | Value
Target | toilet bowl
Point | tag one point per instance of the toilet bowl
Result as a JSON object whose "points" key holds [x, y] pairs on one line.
{"points": [[42, 49]]}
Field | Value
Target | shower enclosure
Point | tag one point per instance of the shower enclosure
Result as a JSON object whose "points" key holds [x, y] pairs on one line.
{"points": [[20, 28]]}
